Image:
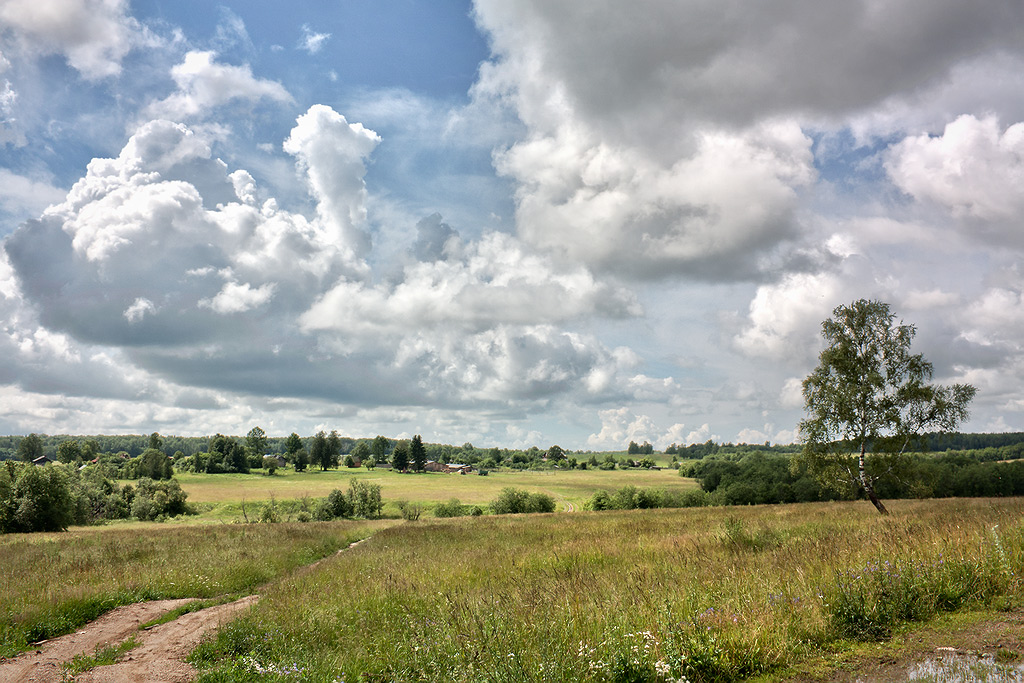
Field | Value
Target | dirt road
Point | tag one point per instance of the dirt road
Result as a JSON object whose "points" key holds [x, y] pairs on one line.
{"points": [[157, 659]]}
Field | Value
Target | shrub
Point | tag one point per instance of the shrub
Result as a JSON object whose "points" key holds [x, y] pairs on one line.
{"points": [[270, 464], [410, 511], [152, 499], [453, 508], [515, 501]]}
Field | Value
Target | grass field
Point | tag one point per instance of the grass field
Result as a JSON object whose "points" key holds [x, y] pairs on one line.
{"points": [[705, 594], [711, 594], [572, 487], [53, 583]]}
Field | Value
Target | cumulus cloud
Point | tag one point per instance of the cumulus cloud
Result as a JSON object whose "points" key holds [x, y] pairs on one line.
{"points": [[93, 35], [435, 239], [712, 214], [165, 223], [167, 254], [203, 84], [975, 169], [652, 65], [332, 151], [24, 196], [784, 316], [495, 281], [670, 138]]}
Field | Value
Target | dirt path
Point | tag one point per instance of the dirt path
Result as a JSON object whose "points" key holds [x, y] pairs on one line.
{"points": [[159, 656], [159, 659], [43, 663]]}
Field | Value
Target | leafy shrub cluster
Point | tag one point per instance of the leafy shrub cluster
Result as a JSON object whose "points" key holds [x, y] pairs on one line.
{"points": [[362, 499], [632, 498], [152, 499], [512, 501], [53, 497], [455, 508]]}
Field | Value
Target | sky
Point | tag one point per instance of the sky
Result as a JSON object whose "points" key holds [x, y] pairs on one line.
{"points": [[503, 222]]}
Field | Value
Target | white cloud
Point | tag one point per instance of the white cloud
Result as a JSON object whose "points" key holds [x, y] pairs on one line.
{"points": [[238, 298], [204, 84], [332, 152], [23, 196], [138, 310], [975, 169], [311, 41], [700, 435], [165, 252], [711, 214], [93, 35], [784, 316], [495, 281]]}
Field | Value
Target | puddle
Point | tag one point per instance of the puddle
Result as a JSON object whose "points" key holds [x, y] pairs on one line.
{"points": [[966, 668]]}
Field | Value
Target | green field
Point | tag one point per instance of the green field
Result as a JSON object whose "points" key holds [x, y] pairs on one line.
{"points": [[568, 488], [51, 583], [712, 594]]}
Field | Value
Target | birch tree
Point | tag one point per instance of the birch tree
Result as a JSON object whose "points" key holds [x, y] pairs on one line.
{"points": [[870, 396]]}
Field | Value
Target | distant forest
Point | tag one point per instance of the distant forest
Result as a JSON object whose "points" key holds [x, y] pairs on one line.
{"points": [[987, 447]]}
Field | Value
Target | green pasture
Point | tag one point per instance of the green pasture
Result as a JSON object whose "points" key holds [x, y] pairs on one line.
{"points": [[567, 487], [709, 594]]}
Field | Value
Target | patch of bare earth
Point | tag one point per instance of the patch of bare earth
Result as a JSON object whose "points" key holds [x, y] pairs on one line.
{"points": [[43, 663], [158, 658], [990, 637]]}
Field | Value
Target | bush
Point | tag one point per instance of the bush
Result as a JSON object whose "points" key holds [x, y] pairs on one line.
{"points": [[153, 499], [270, 464], [410, 511], [453, 508], [35, 499], [868, 603], [361, 500], [516, 501]]}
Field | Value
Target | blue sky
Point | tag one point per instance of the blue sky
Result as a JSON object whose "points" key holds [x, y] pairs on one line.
{"points": [[511, 222]]}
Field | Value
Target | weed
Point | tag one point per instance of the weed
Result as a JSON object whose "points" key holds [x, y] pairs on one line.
{"points": [[103, 655]]}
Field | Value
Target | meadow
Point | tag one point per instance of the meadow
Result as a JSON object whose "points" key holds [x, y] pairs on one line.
{"points": [[220, 495], [52, 583], [706, 594], [700, 594]]}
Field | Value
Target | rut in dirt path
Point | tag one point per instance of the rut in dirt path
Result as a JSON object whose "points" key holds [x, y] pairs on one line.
{"points": [[42, 664], [159, 658]]}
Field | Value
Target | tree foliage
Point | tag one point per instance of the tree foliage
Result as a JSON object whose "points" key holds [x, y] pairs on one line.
{"points": [[30, 448], [870, 395], [292, 445], [256, 442], [320, 451], [417, 453], [400, 457]]}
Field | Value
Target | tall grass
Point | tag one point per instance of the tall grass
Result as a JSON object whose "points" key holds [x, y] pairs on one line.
{"points": [[52, 583], [653, 595]]}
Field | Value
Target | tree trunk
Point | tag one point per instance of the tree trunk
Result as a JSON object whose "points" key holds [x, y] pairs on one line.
{"points": [[865, 481]]}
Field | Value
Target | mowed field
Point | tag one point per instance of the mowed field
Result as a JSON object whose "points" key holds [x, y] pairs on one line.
{"points": [[570, 488]]}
